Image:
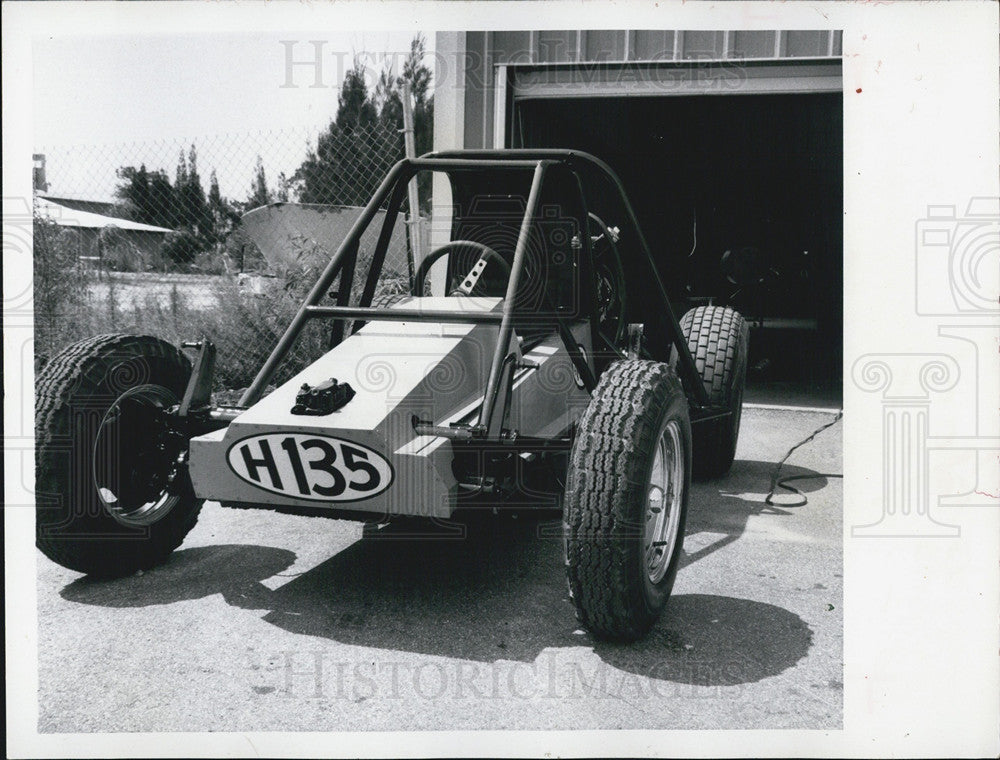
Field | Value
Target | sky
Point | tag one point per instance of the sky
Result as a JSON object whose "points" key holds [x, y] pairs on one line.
{"points": [[123, 100]]}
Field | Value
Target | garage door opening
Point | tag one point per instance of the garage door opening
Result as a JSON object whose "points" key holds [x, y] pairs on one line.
{"points": [[758, 176]]}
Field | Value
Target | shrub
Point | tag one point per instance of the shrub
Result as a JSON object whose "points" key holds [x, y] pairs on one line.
{"points": [[73, 303], [246, 327], [181, 248], [118, 253], [60, 285], [212, 261]]}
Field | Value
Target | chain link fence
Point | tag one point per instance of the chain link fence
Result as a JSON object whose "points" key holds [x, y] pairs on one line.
{"points": [[182, 238]]}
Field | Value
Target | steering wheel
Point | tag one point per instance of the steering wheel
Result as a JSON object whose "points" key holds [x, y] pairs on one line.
{"points": [[609, 280], [486, 254]]}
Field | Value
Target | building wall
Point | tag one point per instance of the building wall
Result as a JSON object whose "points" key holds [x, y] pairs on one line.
{"points": [[466, 87]]}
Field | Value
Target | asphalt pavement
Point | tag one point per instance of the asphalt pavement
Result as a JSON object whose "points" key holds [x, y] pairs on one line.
{"points": [[267, 622]]}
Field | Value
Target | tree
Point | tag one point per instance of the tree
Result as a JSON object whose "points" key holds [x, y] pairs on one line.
{"points": [[284, 186], [387, 98], [153, 200], [259, 194], [339, 170], [150, 197], [364, 140], [180, 178], [182, 247], [135, 191], [389, 94], [215, 202], [354, 107], [224, 215], [419, 77], [416, 72], [198, 221], [196, 215]]}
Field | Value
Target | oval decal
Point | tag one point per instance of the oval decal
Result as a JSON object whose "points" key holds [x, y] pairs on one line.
{"points": [[310, 466]]}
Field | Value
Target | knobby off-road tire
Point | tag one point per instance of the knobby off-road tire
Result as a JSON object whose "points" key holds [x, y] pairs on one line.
{"points": [[112, 493], [719, 339], [626, 499]]}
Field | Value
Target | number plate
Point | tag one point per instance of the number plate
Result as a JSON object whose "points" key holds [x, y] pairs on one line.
{"points": [[309, 466]]}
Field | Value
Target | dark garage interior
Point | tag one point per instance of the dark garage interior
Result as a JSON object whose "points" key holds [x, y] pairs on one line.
{"points": [[759, 176]]}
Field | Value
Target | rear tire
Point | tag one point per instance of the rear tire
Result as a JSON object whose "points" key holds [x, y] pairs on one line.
{"points": [[719, 339], [626, 499], [113, 492]]}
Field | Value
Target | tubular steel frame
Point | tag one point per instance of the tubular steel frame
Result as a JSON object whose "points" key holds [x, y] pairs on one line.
{"points": [[393, 188]]}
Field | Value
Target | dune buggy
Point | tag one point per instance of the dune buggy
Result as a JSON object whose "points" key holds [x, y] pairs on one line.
{"points": [[535, 363]]}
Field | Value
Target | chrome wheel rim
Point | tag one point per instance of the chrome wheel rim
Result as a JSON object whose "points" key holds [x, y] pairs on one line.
{"points": [[664, 494], [137, 457]]}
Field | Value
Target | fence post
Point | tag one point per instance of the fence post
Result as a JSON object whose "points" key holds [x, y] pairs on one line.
{"points": [[413, 201]]}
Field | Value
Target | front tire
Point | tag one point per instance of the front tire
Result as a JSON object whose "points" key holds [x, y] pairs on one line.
{"points": [[626, 499], [113, 493]]}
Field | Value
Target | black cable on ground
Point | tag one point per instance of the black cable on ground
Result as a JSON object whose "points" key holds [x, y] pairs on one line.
{"points": [[782, 483]]}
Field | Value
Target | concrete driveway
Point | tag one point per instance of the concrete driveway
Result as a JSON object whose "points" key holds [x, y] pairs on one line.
{"points": [[265, 622]]}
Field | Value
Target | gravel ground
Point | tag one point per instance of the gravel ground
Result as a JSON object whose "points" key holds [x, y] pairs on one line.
{"points": [[265, 622]]}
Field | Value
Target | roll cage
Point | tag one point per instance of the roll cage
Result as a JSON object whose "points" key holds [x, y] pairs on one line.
{"points": [[539, 163]]}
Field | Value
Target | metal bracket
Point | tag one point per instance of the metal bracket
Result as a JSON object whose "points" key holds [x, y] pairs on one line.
{"points": [[198, 394], [454, 432], [472, 278]]}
